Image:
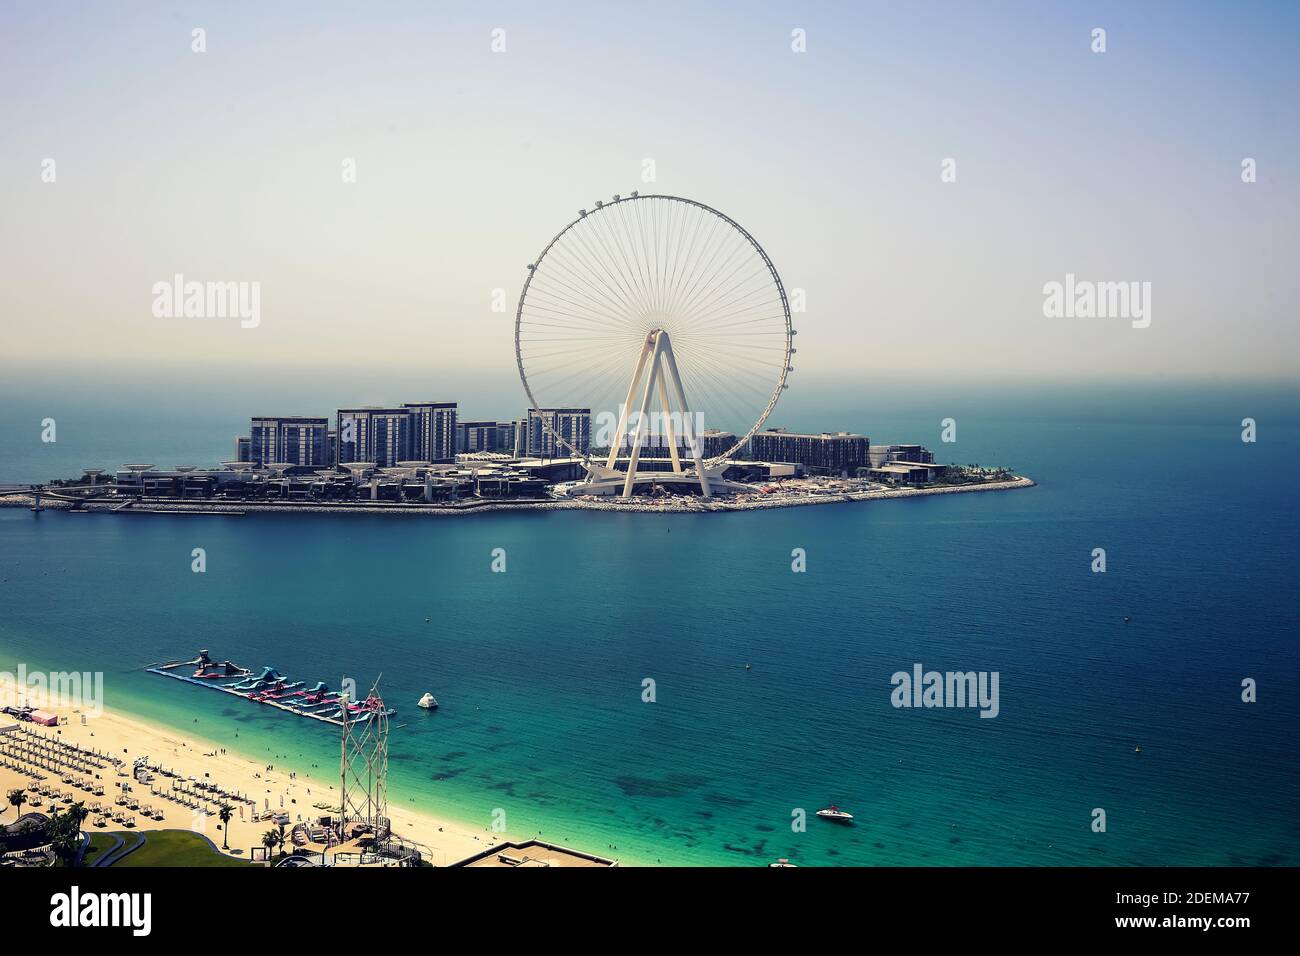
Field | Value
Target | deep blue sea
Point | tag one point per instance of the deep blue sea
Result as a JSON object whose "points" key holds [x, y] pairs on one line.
{"points": [[539, 670]]}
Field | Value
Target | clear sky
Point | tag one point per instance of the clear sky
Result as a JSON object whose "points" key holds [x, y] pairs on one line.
{"points": [[226, 166]]}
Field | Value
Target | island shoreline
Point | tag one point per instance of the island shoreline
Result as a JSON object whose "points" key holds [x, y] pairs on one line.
{"points": [[675, 505]]}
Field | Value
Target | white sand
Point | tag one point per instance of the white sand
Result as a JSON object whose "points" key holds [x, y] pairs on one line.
{"points": [[189, 756]]}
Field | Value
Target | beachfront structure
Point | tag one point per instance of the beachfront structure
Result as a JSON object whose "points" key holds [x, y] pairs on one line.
{"points": [[903, 472], [827, 452], [542, 425], [883, 454], [763, 471], [182, 482], [433, 431], [289, 439]]}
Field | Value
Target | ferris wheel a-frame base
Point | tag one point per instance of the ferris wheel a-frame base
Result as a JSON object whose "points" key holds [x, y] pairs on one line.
{"points": [[658, 367]]}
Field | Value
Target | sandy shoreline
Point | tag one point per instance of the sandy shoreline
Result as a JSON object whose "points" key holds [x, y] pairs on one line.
{"points": [[668, 506], [296, 789]]}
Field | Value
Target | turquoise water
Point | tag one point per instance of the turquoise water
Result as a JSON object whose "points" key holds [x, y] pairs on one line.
{"points": [[539, 670]]}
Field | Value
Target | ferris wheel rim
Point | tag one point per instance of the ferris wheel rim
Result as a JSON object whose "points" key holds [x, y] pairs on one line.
{"points": [[745, 233]]}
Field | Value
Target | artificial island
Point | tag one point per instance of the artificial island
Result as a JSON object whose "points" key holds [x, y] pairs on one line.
{"points": [[653, 340]]}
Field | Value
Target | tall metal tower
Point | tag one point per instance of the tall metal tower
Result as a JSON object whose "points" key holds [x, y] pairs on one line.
{"points": [[363, 769]]}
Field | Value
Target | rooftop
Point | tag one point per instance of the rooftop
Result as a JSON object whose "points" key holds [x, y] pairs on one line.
{"points": [[789, 434], [534, 853]]}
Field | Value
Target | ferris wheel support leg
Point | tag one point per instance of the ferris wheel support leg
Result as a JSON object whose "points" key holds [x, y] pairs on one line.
{"points": [[688, 428], [627, 403], [669, 433], [635, 457]]}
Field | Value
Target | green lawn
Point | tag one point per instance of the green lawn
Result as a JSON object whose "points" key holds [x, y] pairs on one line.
{"points": [[177, 848], [99, 842]]}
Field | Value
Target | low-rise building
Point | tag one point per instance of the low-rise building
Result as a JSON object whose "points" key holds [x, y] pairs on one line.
{"points": [[907, 473], [885, 453], [760, 471]]}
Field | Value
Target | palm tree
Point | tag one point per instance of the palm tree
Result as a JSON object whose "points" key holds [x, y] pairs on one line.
{"points": [[225, 813], [17, 797], [65, 833], [269, 839], [280, 838], [78, 813]]}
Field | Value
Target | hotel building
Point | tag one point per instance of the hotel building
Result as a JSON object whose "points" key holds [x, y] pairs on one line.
{"points": [[827, 452]]}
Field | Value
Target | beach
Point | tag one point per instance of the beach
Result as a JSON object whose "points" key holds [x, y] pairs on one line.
{"points": [[294, 791]]}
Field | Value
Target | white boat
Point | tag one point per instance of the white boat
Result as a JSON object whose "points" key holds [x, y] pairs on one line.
{"points": [[835, 813], [429, 702], [783, 862]]}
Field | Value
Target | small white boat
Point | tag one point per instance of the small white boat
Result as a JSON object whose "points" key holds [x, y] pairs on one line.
{"points": [[835, 813], [782, 863], [429, 702]]}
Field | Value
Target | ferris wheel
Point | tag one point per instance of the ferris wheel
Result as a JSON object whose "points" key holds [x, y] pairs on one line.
{"points": [[654, 309]]}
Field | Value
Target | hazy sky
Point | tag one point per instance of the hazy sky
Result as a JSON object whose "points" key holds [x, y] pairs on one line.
{"points": [[226, 166]]}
